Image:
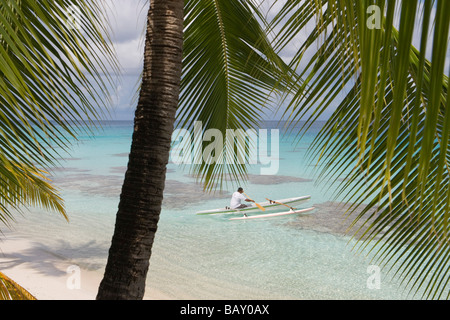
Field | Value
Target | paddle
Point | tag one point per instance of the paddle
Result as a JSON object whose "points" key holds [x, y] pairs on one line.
{"points": [[258, 205], [281, 204]]}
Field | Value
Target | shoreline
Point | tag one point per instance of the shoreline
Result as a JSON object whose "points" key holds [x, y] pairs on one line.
{"points": [[47, 276]]}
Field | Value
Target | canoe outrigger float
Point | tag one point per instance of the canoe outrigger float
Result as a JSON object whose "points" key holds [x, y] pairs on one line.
{"points": [[271, 215], [270, 205]]}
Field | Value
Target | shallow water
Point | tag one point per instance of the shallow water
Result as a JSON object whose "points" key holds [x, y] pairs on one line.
{"points": [[208, 257]]}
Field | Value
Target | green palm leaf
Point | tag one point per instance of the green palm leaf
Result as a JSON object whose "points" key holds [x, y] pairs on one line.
{"points": [[229, 74], [389, 135], [50, 90]]}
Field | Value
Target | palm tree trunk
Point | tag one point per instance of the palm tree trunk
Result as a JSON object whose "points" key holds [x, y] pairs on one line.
{"points": [[142, 190]]}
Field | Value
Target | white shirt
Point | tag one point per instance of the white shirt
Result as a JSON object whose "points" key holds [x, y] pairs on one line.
{"points": [[236, 200]]}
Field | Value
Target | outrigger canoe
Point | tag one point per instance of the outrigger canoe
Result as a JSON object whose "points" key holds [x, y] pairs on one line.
{"points": [[274, 205], [276, 214]]}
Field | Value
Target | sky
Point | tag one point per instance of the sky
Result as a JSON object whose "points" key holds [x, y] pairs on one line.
{"points": [[127, 19]]}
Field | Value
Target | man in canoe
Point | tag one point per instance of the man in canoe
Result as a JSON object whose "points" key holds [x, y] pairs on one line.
{"points": [[236, 199]]}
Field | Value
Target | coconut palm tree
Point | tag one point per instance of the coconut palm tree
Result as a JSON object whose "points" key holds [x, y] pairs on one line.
{"points": [[50, 62], [142, 191], [223, 63]]}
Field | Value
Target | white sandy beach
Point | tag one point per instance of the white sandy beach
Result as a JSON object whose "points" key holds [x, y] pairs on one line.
{"points": [[48, 276]]}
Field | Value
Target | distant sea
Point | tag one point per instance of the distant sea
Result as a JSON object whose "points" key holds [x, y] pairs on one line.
{"points": [[210, 257]]}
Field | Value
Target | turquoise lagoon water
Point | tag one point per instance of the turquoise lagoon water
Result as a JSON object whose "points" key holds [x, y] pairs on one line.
{"points": [[207, 257]]}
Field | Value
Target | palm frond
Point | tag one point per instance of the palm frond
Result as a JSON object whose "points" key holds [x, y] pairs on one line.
{"points": [[24, 187], [10, 290], [229, 74], [389, 134], [55, 82]]}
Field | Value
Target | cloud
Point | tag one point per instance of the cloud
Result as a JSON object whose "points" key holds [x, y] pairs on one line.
{"points": [[130, 55], [128, 19]]}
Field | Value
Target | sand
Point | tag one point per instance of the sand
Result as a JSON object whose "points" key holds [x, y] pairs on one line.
{"points": [[47, 276]]}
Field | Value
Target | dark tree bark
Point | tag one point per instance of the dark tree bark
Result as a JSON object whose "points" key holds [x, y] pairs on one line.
{"points": [[142, 190]]}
